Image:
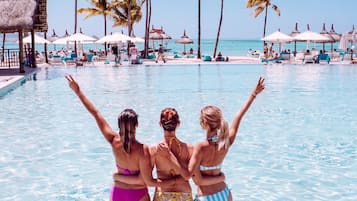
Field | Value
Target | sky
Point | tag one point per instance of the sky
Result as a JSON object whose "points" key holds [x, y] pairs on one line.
{"points": [[175, 16]]}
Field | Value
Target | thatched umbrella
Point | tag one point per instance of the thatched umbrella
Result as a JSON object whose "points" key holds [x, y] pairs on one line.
{"points": [[293, 34], [328, 35], [17, 16], [184, 40]]}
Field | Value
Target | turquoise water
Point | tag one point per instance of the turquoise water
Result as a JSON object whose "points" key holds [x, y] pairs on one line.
{"points": [[229, 47], [297, 142]]}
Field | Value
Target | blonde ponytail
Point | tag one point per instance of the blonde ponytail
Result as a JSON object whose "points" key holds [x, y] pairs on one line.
{"points": [[223, 133]]}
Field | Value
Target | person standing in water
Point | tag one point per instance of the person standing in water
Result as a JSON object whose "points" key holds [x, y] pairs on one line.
{"points": [[131, 156]]}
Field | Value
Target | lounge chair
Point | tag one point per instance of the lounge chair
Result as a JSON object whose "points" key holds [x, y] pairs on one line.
{"points": [[323, 57], [275, 60], [206, 58]]}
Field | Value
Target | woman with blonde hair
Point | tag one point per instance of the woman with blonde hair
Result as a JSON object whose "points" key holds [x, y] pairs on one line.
{"points": [[131, 156], [208, 155]]}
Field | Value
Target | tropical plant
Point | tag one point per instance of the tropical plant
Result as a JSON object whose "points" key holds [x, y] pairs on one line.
{"points": [[120, 13], [100, 7], [262, 5], [219, 29]]}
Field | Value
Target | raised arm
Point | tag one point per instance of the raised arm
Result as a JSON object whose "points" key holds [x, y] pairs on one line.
{"points": [[239, 115], [104, 127]]}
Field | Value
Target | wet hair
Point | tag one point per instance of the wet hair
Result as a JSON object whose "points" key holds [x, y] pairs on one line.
{"points": [[169, 119], [212, 120], [127, 122]]}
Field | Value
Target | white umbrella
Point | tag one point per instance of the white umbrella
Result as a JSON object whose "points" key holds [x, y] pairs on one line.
{"points": [[77, 37], [309, 36], [114, 38], [278, 37], [38, 40], [346, 38], [137, 40], [184, 40]]}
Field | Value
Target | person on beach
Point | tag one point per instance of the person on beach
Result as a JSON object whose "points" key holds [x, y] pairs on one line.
{"points": [[265, 50], [271, 50], [115, 52], [133, 54], [161, 54], [208, 155], [131, 156], [165, 169]]}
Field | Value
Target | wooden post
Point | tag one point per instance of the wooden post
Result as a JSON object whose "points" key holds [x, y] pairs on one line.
{"points": [[21, 53], [33, 49]]}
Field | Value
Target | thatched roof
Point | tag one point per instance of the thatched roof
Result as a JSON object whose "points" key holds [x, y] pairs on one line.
{"points": [[17, 14]]}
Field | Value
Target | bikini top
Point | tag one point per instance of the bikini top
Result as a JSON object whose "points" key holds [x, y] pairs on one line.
{"points": [[203, 168], [127, 171]]}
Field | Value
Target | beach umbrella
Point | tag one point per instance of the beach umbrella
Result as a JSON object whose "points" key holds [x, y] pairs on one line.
{"points": [[79, 37], [309, 36], [278, 37], [184, 40], [328, 35], [53, 36], [293, 34], [76, 37], [38, 39], [334, 35], [114, 38], [137, 40], [349, 37], [153, 35]]}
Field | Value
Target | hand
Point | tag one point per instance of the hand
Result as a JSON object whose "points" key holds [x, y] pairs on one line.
{"points": [[115, 176], [259, 88], [163, 150], [72, 83]]}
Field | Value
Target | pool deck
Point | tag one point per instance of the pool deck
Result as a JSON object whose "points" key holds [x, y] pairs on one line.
{"points": [[10, 76]]}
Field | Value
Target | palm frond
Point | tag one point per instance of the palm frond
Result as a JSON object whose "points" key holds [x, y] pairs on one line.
{"points": [[277, 10], [257, 11]]}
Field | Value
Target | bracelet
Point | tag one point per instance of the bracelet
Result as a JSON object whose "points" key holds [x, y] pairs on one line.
{"points": [[254, 95]]}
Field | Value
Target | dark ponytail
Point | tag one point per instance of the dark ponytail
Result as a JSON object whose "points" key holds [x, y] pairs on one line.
{"points": [[127, 122]]}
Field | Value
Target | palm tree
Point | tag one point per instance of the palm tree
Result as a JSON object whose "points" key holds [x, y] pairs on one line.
{"points": [[100, 7], [199, 31], [219, 29], [75, 24], [147, 26], [262, 5], [120, 13]]}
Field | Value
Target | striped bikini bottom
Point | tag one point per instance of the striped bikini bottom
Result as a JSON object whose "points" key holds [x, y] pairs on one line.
{"points": [[219, 196]]}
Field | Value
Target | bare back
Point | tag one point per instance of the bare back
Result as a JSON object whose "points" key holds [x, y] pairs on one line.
{"points": [[165, 170], [128, 162]]}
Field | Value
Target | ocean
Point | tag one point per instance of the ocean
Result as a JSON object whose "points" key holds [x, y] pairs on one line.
{"points": [[228, 47]]}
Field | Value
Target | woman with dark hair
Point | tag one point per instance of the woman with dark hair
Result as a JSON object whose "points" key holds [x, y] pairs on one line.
{"points": [[209, 154], [131, 157]]}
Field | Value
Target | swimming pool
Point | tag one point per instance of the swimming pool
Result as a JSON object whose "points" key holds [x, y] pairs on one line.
{"points": [[297, 142]]}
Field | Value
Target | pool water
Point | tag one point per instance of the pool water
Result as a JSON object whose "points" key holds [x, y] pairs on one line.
{"points": [[298, 141]]}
